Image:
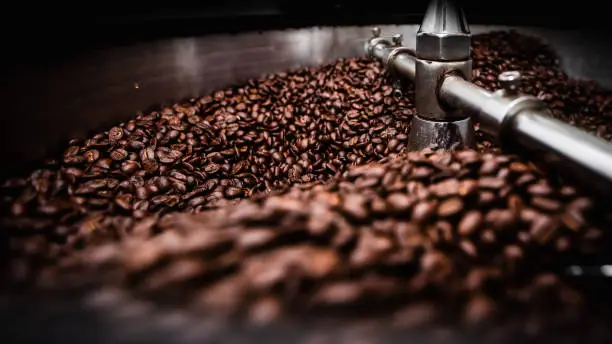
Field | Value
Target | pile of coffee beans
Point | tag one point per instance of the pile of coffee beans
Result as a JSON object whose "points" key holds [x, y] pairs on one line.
{"points": [[458, 237], [294, 195]]}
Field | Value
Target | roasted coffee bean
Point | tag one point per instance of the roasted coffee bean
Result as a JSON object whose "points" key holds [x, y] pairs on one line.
{"points": [[400, 203], [340, 215], [119, 154], [470, 223], [167, 155], [124, 201], [115, 134], [92, 155], [450, 207], [129, 167]]}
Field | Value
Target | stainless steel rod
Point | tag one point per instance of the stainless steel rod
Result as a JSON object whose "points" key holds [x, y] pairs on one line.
{"points": [[571, 152], [564, 149], [403, 63]]}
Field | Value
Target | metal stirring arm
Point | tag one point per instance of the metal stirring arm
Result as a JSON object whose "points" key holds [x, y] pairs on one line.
{"points": [[446, 100]]}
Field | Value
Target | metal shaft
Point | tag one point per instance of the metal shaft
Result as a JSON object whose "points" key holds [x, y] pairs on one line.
{"points": [[524, 127], [522, 124]]}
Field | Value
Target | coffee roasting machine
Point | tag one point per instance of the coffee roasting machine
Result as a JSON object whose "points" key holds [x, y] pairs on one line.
{"points": [[108, 86], [446, 102]]}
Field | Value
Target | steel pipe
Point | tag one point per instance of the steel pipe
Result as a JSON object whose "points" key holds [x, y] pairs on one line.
{"points": [[522, 125]]}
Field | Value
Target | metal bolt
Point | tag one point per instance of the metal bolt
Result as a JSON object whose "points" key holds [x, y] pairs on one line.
{"points": [[510, 81], [376, 32], [397, 39], [397, 90]]}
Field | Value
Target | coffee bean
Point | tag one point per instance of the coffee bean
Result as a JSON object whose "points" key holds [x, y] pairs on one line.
{"points": [[450, 207], [115, 134], [546, 204], [449, 187], [320, 152], [469, 223], [489, 167], [500, 218], [468, 248], [354, 205], [540, 189], [491, 183], [543, 229], [119, 154], [479, 311], [468, 187], [129, 167], [422, 211], [167, 155], [124, 201], [400, 202]]}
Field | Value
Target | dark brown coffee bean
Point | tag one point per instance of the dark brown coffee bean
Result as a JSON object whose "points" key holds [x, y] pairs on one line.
{"points": [[468, 187], [119, 154], [518, 167], [212, 168], [573, 219], [546, 204], [500, 219], [92, 155], [422, 211], [525, 179], [492, 183], [136, 145], [115, 134], [468, 248], [540, 189], [167, 155], [400, 203], [355, 205], [513, 253], [142, 193], [485, 198], [338, 293], [104, 163], [71, 151], [449, 187], [469, 223], [124, 201], [232, 192], [488, 236], [129, 167], [479, 311], [543, 229], [489, 167], [450, 207]]}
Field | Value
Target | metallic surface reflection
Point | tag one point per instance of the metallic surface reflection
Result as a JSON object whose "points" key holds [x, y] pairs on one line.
{"points": [[100, 88]]}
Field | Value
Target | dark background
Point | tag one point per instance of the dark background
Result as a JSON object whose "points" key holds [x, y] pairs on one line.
{"points": [[29, 29]]}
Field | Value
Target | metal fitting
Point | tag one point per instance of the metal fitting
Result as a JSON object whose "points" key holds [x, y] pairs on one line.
{"points": [[444, 34], [376, 39], [443, 46], [397, 39], [429, 76]]}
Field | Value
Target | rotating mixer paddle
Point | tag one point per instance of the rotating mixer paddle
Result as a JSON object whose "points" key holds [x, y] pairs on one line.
{"points": [[446, 102]]}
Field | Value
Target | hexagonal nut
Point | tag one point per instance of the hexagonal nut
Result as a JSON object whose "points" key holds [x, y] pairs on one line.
{"points": [[443, 46]]}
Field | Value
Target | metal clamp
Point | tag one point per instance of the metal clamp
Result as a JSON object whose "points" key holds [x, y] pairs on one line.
{"points": [[371, 43]]}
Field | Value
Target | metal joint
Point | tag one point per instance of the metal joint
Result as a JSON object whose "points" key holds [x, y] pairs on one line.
{"points": [[429, 77], [391, 58], [518, 105], [371, 43]]}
